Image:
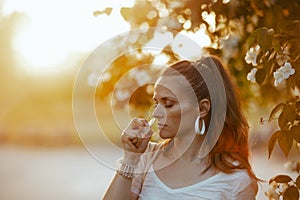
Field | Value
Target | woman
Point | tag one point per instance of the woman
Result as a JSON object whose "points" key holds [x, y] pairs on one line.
{"points": [[205, 150]]}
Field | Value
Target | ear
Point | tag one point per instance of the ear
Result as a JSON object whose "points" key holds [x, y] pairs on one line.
{"points": [[204, 107]]}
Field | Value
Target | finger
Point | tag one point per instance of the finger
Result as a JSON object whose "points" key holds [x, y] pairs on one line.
{"points": [[136, 135], [126, 138], [135, 141], [146, 131], [131, 139], [129, 147], [140, 132], [143, 143], [131, 133], [145, 139], [127, 143], [149, 134], [138, 123]]}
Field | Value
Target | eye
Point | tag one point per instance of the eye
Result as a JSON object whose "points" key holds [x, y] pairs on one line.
{"points": [[168, 105]]}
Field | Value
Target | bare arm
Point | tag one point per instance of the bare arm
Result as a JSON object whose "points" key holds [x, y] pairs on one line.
{"points": [[120, 188], [134, 140]]}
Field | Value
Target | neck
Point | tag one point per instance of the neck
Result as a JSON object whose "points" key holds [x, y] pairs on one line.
{"points": [[187, 148]]}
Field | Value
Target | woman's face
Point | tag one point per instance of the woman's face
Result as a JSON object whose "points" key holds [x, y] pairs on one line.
{"points": [[175, 109]]}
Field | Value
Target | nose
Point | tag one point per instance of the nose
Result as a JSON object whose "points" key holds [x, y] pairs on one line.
{"points": [[158, 112]]}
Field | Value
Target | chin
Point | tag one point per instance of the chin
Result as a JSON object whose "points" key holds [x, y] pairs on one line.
{"points": [[165, 135]]}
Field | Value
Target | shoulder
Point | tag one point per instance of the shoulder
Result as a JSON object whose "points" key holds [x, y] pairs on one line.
{"points": [[234, 179], [244, 186], [234, 186], [238, 185]]}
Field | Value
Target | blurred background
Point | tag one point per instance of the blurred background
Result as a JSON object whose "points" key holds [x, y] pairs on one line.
{"points": [[44, 45]]}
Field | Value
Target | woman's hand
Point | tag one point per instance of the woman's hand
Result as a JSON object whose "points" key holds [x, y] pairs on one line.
{"points": [[135, 139]]}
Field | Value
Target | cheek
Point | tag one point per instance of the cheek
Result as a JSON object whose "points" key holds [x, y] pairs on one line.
{"points": [[173, 118], [184, 114], [174, 113]]}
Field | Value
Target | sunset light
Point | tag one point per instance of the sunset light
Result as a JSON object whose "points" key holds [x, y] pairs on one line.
{"points": [[52, 30], [80, 79]]}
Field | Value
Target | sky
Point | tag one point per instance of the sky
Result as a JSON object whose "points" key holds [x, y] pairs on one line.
{"points": [[50, 40], [51, 30]]}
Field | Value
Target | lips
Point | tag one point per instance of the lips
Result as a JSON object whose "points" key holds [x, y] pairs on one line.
{"points": [[161, 126]]}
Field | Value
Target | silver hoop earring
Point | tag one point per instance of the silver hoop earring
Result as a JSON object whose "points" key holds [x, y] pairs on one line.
{"points": [[198, 131]]}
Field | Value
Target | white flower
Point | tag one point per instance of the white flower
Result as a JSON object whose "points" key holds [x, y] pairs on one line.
{"points": [[287, 70], [93, 79], [251, 55], [282, 187], [141, 76], [283, 72], [229, 46], [122, 95], [251, 75], [279, 77], [272, 191]]}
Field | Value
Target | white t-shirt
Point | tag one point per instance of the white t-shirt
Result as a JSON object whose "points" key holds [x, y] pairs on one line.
{"points": [[237, 185]]}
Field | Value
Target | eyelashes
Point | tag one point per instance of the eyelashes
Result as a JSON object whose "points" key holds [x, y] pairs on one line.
{"points": [[165, 105], [169, 106]]}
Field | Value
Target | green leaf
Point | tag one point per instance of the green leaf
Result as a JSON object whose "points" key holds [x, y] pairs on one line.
{"points": [[272, 141], [282, 121], [260, 56], [126, 13], [213, 51], [297, 105], [281, 179], [290, 112], [106, 11], [275, 110], [298, 182], [292, 82], [260, 76], [291, 193], [296, 133], [293, 28], [285, 141], [253, 37], [265, 38], [276, 44]]}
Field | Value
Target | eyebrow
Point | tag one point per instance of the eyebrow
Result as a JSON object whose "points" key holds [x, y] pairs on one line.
{"points": [[166, 98]]}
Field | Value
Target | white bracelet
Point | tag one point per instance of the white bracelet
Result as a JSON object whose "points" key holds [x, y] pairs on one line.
{"points": [[124, 169]]}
